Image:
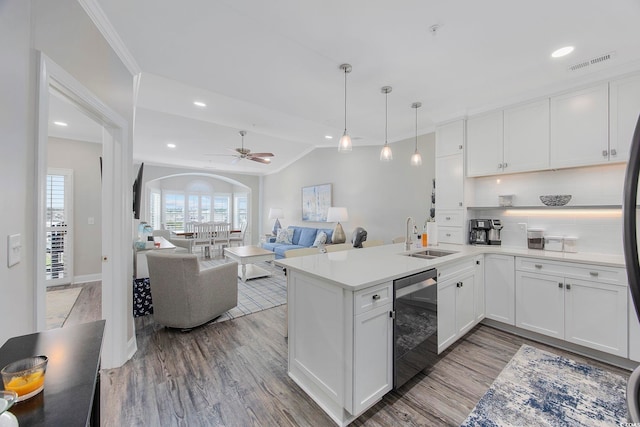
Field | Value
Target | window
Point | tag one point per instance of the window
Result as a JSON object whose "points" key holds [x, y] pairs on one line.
{"points": [[155, 212], [174, 211], [194, 206], [205, 208], [59, 219], [240, 210], [221, 208]]}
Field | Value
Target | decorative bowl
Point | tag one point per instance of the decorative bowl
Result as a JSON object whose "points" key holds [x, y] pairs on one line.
{"points": [[25, 376], [556, 199]]}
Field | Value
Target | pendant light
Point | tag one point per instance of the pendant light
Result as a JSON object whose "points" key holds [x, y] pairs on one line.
{"points": [[344, 146], [416, 158], [386, 155]]}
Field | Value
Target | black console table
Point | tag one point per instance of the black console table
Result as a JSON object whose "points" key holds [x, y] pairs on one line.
{"points": [[71, 395]]}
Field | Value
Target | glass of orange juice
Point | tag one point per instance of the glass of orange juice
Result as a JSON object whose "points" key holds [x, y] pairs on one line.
{"points": [[25, 376]]}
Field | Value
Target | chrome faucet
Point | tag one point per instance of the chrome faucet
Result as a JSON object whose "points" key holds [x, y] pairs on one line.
{"points": [[407, 240]]}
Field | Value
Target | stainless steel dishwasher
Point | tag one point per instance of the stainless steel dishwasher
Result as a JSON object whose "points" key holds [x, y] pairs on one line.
{"points": [[415, 328]]}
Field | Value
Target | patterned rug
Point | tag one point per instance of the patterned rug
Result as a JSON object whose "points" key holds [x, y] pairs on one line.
{"points": [[256, 294], [59, 305], [538, 388]]}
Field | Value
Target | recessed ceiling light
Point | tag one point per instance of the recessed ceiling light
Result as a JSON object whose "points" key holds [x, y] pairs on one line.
{"points": [[562, 52], [60, 124], [199, 104], [328, 137], [171, 145]]}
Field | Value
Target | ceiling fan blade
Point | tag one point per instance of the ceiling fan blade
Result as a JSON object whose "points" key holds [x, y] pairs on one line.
{"points": [[262, 155], [235, 160], [260, 160], [225, 155]]}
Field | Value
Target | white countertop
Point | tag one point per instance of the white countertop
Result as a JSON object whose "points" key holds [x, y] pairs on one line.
{"points": [[356, 269]]}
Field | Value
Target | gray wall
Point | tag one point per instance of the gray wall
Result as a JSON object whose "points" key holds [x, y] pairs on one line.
{"points": [[379, 196], [84, 159]]}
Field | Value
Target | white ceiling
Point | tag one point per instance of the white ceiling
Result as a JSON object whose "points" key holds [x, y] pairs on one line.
{"points": [[272, 67]]}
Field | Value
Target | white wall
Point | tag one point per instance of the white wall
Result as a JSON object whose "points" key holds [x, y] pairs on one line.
{"points": [[379, 196], [598, 230], [84, 159]]}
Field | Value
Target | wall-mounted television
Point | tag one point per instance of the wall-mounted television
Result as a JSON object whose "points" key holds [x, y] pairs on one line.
{"points": [[137, 193]]}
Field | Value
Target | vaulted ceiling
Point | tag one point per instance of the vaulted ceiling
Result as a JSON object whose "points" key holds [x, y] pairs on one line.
{"points": [[272, 67]]}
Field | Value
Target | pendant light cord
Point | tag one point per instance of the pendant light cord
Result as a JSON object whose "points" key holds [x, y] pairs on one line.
{"points": [[386, 115], [416, 128], [345, 100]]}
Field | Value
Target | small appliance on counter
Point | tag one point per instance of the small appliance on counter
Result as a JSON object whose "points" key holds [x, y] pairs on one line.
{"points": [[485, 232], [535, 238]]}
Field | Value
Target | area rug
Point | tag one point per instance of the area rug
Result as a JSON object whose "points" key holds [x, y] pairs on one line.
{"points": [[538, 388], [255, 294], [59, 305]]}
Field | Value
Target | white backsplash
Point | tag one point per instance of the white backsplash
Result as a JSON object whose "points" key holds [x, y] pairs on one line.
{"points": [[597, 230]]}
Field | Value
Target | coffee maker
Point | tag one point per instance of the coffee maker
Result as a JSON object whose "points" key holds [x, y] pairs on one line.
{"points": [[484, 231]]}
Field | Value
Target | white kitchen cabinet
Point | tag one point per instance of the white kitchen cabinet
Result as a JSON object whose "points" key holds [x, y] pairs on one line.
{"points": [[450, 138], [499, 283], [540, 303], [451, 235], [456, 307], [526, 137], [634, 330], [624, 109], [580, 127], [484, 144], [373, 357], [449, 182], [479, 288], [596, 315]]}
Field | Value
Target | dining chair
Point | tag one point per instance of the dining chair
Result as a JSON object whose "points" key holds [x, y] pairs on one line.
{"points": [[238, 238], [221, 231], [202, 237]]}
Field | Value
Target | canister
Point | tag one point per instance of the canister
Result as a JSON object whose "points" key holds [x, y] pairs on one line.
{"points": [[571, 244], [535, 238], [553, 243]]}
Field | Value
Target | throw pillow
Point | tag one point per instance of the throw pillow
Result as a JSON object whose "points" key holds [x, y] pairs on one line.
{"points": [[284, 236], [321, 239]]}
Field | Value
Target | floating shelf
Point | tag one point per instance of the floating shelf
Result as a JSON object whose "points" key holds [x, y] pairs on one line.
{"points": [[548, 207]]}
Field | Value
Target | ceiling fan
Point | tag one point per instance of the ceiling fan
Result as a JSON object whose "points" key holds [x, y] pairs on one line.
{"points": [[245, 153]]}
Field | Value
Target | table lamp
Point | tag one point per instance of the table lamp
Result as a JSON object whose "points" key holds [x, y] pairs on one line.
{"points": [[275, 213], [336, 215]]}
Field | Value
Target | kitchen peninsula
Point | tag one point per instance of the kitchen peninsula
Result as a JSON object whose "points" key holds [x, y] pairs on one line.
{"points": [[340, 312]]}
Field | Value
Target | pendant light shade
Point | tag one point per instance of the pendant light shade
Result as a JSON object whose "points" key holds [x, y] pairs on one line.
{"points": [[416, 158], [344, 146], [386, 155]]}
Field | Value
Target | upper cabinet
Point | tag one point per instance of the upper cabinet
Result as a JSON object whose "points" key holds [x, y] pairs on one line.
{"points": [[580, 127], [484, 144], [624, 109], [526, 137], [450, 138]]}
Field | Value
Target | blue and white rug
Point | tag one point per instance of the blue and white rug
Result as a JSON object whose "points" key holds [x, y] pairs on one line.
{"points": [[538, 388]]}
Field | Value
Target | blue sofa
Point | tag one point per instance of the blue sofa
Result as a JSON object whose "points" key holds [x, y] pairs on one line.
{"points": [[303, 237]]}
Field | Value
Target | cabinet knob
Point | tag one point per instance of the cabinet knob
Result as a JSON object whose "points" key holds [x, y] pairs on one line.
{"points": [[568, 286], [448, 234], [499, 165], [376, 297], [459, 203], [477, 262], [538, 265], [448, 218], [459, 147], [560, 285], [614, 152], [593, 273], [605, 153], [459, 285], [504, 165]]}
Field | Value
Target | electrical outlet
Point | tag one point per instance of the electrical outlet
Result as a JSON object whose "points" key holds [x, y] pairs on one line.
{"points": [[14, 249], [522, 226]]}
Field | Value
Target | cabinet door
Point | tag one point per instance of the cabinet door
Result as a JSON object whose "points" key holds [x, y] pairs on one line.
{"points": [[634, 331], [580, 127], [450, 138], [596, 316], [484, 144], [499, 285], [624, 109], [373, 357], [449, 182], [479, 288], [447, 331], [540, 303], [465, 307], [526, 137]]}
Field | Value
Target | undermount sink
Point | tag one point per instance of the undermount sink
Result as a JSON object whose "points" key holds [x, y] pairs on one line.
{"points": [[431, 253]]}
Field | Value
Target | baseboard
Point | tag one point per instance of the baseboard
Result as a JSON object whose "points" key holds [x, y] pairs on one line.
{"points": [[85, 278], [132, 347]]}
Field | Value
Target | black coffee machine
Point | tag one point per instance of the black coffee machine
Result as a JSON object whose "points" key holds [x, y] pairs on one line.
{"points": [[485, 231]]}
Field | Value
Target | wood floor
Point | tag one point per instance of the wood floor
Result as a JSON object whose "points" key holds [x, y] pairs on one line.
{"points": [[234, 374]]}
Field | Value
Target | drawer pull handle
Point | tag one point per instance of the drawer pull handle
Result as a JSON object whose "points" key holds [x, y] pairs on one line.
{"points": [[448, 218], [605, 153], [538, 265], [448, 234], [568, 287], [614, 152], [376, 297], [459, 284], [594, 273], [560, 285]]}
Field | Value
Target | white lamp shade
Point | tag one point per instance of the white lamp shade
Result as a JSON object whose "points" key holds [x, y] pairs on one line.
{"points": [[416, 159], [344, 146], [337, 214], [275, 213]]}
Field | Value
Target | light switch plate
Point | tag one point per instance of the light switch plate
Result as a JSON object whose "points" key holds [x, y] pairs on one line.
{"points": [[14, 249]]}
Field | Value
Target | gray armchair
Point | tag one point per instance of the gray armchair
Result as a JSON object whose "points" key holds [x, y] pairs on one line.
{"points": [[184, 296]]}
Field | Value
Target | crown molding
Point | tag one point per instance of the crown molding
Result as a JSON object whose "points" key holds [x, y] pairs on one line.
{"points": [[97, 15]]}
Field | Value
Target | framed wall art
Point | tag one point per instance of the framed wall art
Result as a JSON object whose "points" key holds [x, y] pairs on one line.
{"points": [[316, 201]]}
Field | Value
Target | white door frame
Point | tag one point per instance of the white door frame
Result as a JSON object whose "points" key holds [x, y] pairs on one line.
{"points": [[116, 213]]}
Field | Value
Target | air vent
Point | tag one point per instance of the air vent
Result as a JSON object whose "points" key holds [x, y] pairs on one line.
{"points": [[593, 61]]}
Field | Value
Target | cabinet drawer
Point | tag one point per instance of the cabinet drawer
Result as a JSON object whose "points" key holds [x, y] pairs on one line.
{"points": [[449, 270], [613, 275], [450, 235], [450, 218], [373, 297]]}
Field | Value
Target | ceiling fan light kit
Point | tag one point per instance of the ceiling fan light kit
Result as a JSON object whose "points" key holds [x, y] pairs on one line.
{"points": [[344, 146], [386, 155]]}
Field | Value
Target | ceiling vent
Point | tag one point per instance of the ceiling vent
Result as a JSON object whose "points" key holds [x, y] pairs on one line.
{"points": [[593, 61]]}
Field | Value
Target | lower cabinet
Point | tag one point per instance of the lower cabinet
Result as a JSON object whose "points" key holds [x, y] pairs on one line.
{"points": [[373, 357], [634, 331], [499, 288], [585, 312]]}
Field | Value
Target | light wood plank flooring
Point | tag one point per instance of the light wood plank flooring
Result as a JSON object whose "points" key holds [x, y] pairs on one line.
{"points": [[234, 374]]}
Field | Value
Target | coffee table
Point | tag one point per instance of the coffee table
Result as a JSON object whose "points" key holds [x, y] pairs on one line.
{"points": [[246, 257]]}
